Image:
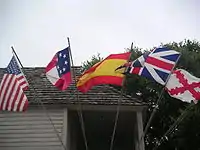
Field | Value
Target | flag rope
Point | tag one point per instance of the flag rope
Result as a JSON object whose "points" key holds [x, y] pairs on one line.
{"points": [[80, 112], [43, 107], [174, 125], [51, 122]]}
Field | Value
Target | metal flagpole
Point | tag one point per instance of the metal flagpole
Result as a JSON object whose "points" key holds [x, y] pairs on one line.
{"points": [[118, 108], [44, 108], [158, 101], [15, 55], [13, 50], [80, 113]]}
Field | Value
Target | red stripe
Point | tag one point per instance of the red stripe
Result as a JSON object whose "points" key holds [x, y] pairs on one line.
{"points": [[5, 77], [15, 91], [15, 97], [93, 68], [22, 80], [6, 90], [21, 77], [135, 70], [20, 101], [3, 82], [100, 80], [11, 92], [64, 81], [25, 88], [52, 63], [159, 63], [22, 84], [25, 105], [124, 56], [119, 56]]}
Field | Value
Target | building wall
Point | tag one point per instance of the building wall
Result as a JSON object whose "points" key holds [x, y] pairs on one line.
{"points": [[31, 130]]}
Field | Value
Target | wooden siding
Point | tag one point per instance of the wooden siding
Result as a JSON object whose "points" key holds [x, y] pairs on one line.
{"points": [[31, 130]]}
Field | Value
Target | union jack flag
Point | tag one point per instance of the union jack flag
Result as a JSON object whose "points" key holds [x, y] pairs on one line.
{"points": [[155, 65]]}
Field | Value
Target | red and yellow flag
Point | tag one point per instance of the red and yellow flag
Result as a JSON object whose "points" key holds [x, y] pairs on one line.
{"points": [[104, 72]]}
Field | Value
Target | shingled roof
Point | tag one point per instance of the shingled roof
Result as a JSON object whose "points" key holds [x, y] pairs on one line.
{"points": [[42, 89]]}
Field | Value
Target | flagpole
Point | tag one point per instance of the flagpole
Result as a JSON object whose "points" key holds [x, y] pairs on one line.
{"points": [[15, 55], [13, 50], [80, 107], [118, 106], [43, 107], [158, 101]]}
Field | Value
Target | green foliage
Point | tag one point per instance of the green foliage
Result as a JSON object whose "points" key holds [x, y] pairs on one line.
{"points": [[187, 134], [169, 109], [89, 63]]}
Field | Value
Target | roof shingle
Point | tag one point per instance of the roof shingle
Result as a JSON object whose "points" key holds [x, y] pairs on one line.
{"points": [[41, 88]]}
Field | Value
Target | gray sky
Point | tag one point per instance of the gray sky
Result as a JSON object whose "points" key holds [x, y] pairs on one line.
{"points": [[39, 28]]}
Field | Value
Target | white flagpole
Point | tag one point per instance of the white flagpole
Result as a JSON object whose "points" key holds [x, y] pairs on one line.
{"points": [[80, 107], [118, 106], [43, 107]]}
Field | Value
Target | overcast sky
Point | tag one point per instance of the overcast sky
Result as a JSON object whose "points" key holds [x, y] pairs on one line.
{"points": [[39, 28]]}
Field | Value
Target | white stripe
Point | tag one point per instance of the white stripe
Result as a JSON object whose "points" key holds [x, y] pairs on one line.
{"points": [[8, 92], [1, 88], [12, 97], [23, 86], [141, 60], [52, 75], [22, 74], [23, 79], [164, 53], [158, 68], [140, 72], [4, 88], [131, 69], [23, 102], [16, 102], [154, 74], [164, 60]]}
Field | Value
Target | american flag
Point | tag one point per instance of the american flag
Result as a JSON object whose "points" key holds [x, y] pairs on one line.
{"points": [[13, 84], [155, 65]]}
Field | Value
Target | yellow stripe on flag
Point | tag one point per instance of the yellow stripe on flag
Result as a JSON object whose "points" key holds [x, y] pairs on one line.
{"points": [[99, 73]]}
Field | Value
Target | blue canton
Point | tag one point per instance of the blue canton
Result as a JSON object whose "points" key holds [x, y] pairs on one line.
{"points": [[13, 67], [63, 64]]}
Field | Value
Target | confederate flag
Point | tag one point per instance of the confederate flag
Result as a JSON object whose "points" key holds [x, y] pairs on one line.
{"points": [[58, 70]]}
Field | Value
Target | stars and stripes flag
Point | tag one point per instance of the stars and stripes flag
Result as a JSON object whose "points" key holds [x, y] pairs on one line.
{"points": [[13, 84], [58, 71], [155, 65]]}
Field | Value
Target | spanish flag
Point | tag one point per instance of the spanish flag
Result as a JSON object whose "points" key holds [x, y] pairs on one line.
{"points": [[104, 72]]}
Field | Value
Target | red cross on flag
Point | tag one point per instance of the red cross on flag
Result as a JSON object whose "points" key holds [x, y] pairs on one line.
{"points": [[184, 86]]}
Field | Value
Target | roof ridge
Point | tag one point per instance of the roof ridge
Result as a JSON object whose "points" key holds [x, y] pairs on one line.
{"points": [[98, 95]]}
